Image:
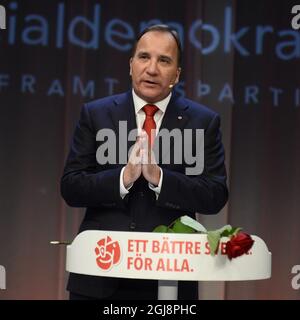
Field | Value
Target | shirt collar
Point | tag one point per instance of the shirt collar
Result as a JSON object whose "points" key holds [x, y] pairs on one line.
{"points": [[139, 102]]}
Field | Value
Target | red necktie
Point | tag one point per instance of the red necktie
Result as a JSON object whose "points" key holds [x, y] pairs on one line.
{"points": [[149, 123]]}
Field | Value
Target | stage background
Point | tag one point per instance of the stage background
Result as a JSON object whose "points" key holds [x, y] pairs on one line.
{"points": [[241, 58]]}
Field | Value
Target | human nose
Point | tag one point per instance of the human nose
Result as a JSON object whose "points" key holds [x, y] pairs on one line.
{"points": [[152, 66]]}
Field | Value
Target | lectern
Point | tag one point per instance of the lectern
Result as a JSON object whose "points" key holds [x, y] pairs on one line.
{"points": [[166, 257]]}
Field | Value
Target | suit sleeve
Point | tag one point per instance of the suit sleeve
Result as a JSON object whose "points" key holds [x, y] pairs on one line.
{"points": [[84, 182], [205, 193]]}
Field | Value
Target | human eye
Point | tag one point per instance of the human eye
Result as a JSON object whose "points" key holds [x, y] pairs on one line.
{"points": [[165, 60], [143, 56]]}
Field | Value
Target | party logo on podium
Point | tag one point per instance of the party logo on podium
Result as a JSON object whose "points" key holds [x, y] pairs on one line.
{"points": [[108, 253]]}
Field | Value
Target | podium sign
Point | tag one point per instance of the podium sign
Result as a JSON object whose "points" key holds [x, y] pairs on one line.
{"points": [[163, 256]]}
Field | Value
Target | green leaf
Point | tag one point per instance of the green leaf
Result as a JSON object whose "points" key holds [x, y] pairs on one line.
{"points": [[235, 231], [161, 229], [179, 227], [213, 238], [224, 231], [230, 232], [188, 221]]}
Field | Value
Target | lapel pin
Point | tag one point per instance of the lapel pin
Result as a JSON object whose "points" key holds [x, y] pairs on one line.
{"points": [[179, 117]]}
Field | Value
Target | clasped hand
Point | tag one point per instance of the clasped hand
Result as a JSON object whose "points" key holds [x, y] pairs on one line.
{"points": [[141, 162]]}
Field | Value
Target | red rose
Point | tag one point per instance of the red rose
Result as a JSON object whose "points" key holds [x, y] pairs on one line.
{"points": [[238, 245]]}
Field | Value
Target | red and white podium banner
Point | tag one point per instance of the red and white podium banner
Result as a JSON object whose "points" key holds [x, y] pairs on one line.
{"points": [[163, 256]]}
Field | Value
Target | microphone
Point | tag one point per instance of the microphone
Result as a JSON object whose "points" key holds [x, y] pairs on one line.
{"points": [[171, 86], [55, 242]]}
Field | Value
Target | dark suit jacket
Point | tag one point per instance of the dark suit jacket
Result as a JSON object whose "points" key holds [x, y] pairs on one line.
{"points": [[85, 183]]}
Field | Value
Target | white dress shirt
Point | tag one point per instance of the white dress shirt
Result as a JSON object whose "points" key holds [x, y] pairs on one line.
{"points": [[140, 117]]}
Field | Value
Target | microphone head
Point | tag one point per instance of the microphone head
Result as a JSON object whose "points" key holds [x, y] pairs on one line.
{"points": [[171, 86]]}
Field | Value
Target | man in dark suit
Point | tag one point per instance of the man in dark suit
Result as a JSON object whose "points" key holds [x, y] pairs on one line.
{"points": [[140, 195]]}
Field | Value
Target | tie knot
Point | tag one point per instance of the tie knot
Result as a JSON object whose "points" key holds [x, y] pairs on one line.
{"points": [[150, 109]]}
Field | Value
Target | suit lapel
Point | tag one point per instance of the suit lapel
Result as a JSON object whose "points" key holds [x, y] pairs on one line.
{"points": [[123, 110], [175, 117]]}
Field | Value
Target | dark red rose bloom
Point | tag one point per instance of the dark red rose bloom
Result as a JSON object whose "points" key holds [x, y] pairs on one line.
{"points": [[238, 245]]}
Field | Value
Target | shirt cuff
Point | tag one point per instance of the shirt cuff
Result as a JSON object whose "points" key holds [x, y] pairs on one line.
{"points": [[123, 190], [157, 189]]}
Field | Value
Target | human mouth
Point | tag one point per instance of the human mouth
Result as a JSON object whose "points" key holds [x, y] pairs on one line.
{"points": [[149, 82]]}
